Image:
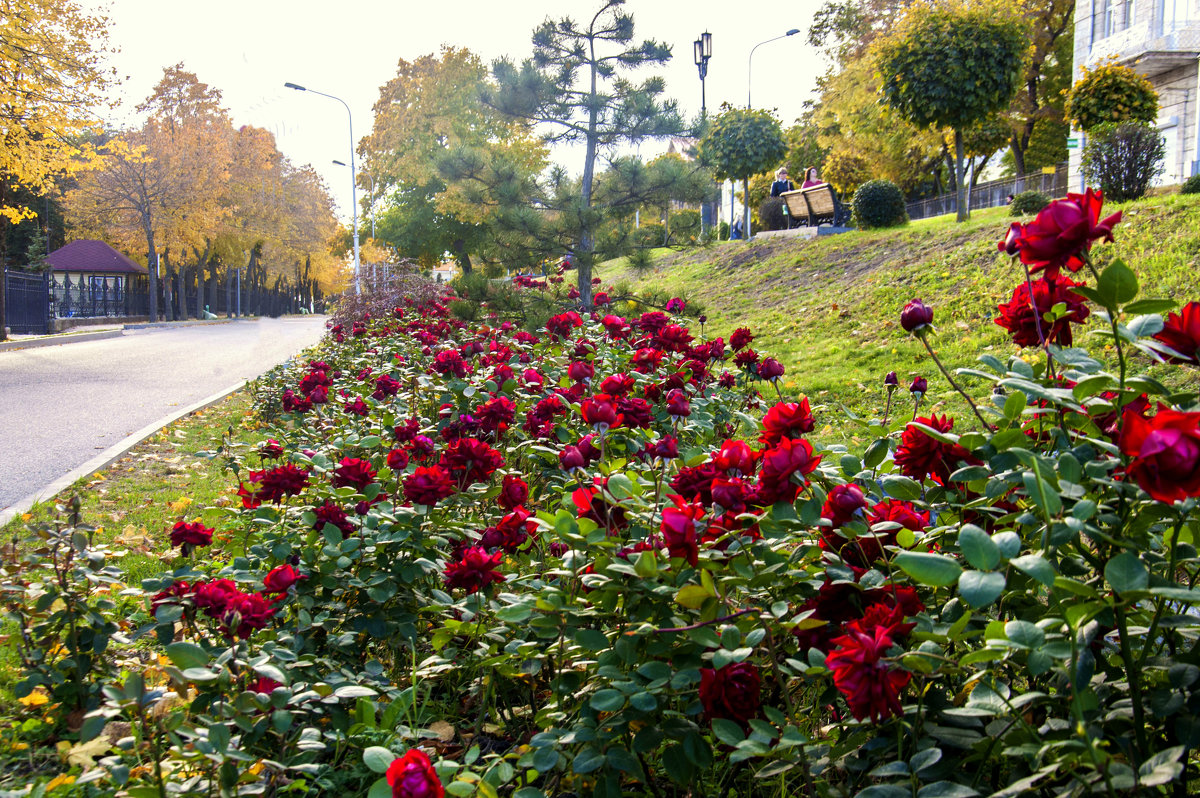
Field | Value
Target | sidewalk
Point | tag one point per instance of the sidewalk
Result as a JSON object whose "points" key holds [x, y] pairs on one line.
{"points": [[98, 332]]}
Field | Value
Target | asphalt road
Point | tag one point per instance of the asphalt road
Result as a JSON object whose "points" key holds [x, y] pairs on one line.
{"points": [[60, 406]]}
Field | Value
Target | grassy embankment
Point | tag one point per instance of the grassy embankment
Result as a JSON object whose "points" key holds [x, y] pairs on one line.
{"points": [[829, 308]]}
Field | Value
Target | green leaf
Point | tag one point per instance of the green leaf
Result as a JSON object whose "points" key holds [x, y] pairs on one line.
{"points": [[977, 546], [1117, 285], [354, 691], [591, 639], [187, 655], [935, 570], [1024, 634], [1162, 768], [378, 758], [925, 759], [727, 731], [979, 588], [607, 700], [946, 789], [380, 789], [899, 487], [1126, 573], [1036, 567], [587, 760], [885, 791], [1151, 306], [1041, 493], [693, 596]]}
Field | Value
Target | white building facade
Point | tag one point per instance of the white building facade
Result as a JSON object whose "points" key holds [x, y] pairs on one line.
{"points": [[1161, 40]]}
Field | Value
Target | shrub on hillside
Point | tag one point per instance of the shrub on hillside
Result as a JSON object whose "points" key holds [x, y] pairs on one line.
{"points": [[1028, 203], [685, 227], [1191, 185], [649, 234], [879, 203], [770, 212], [1123, 159]]}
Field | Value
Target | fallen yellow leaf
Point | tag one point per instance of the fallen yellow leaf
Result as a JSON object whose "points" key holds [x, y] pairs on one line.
{"points": [[35, 699], [59, 781]]}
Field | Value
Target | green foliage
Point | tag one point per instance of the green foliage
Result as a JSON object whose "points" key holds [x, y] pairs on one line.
{"points": [[1028, 203], [1191, 185], [684, 227], [846, 171], [951, 67], [1111, 93], [1123, 158], [650, 234], [879, 203], [741, 143]]}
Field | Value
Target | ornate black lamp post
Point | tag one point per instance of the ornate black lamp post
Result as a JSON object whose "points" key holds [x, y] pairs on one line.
{"points": [[702, 51]]}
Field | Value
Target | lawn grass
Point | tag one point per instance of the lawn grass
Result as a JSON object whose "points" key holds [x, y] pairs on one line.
{"points": [[175, 474], [829, 308]]}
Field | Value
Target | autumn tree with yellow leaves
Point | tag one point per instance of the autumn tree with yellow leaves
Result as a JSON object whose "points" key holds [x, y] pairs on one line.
{"points": [[51, 82]]}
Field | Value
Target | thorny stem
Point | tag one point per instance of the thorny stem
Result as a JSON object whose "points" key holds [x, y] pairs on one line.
{"points": [[955, 385]]}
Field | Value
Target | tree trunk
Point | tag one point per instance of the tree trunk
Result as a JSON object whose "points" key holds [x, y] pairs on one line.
{"points": [[746, 208], [461, 256], [964, 212], [151, 266], [168, 288], [181, 282]]}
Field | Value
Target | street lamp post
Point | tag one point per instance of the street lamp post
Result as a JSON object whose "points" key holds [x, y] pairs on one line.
{"points": [[702, 51], [749, 73], [371, 202], [750, 60], [353, 181]]}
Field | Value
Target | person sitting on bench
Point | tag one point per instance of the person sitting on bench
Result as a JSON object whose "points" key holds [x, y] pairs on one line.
{"points": [[781, 183]]}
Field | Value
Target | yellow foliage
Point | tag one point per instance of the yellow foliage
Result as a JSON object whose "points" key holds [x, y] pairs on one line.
{"points": [[35, 699]]}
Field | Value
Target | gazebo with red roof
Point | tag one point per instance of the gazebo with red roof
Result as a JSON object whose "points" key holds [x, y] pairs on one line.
{"points": [[90, 278]]}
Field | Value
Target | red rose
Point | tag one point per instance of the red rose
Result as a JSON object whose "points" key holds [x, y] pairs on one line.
{"points": [[1022, 320], [330, 513], [770, 369], [600, 411], [731, 692], [211, 597], [189, 536], [791, 456], [353, 472], [919, 456], [844, 504], [617, 385], [513, 492], [413, 776], [570, 458], [1181, 332], [397, 459], [244, 613], [1062, 233], [286, 480], [678, 404], [428, 485], [280, 578], [469, 461], [581, 371], [787, 420], [679, 529], [918, 385], [916, 316], [741, 338], [1165, 451], [270, 449], [735, 456], [474, 571], [871, 686]]}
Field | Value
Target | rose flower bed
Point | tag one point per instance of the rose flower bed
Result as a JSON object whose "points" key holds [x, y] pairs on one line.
{"points": [[607, 558]]}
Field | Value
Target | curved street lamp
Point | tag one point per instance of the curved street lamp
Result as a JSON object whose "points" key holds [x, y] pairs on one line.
{"points": [[750, 61], [353, 180]]}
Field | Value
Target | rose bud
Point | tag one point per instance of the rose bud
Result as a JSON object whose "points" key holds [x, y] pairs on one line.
{"points": [[1010, 244], [570, 458], [918, 385], [916, 316], [678, 404], [891, 380], [770, 369]]}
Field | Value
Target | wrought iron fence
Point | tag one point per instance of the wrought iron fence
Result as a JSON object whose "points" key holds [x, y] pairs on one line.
{"points": [[98, 296], [994, 193], [27, 302]]}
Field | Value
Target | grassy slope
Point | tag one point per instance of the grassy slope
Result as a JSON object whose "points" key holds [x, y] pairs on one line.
{"points": [[829, 308]]}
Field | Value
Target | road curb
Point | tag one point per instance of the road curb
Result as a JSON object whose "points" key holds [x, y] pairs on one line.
{"points": [[58, 340], [109, 456]]}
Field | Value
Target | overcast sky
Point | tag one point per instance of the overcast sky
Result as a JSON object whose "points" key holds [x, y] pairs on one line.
{"points": [[349, 48]]}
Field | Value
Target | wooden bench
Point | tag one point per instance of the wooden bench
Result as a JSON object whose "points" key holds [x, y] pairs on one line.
{"points": [[815, 206]]}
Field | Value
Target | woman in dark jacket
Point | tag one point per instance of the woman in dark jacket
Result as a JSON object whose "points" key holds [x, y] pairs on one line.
{"points": [[781, 183]]}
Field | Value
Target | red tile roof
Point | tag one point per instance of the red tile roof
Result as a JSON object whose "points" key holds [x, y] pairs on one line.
{"points": [[87, 255]]}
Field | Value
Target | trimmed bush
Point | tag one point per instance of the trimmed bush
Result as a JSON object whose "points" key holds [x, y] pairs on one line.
{"points": [[1028, 203], [1110, 93], [1191, 185], [649, 235], [685, 227], [879, 203], [1123, 159], [772, 215]]}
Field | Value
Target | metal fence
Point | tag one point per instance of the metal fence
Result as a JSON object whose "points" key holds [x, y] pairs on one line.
{"points": [[27, 302], [99, 296], [994, 193]]}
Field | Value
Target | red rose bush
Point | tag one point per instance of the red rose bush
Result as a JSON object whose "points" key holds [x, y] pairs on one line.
{"points": [[610, 554]]}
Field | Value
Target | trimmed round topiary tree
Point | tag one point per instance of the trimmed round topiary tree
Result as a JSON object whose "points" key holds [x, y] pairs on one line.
{"points": [[770, 214], [1110, 93], [1028, 203], [879, 203]]}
